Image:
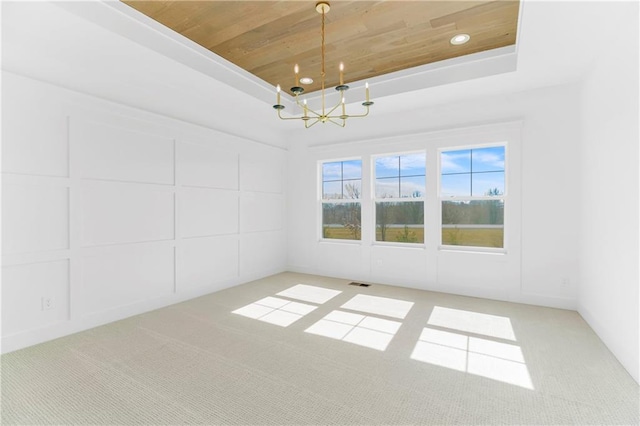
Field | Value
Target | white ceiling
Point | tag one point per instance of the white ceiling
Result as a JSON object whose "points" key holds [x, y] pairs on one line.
{"points": [[87, 46]]}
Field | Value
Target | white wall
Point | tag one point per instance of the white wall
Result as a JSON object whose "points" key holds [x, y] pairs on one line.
{"points": [[541, 264], [110, 211], [96, 47], [609, 253]]}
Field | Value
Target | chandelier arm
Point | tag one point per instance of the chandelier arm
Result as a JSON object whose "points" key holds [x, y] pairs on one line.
{"points": [[289, 118], [334, 108], [312, 124], [344, 122], [308, 109], [337, 105], [360, 115]]}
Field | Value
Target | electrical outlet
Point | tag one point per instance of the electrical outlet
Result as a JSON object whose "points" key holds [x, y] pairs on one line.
{"points": [[47, 303]]}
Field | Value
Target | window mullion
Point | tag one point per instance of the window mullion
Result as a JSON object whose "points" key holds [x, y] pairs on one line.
{"points": [[471, 173], [399, 179], [342, 179]]}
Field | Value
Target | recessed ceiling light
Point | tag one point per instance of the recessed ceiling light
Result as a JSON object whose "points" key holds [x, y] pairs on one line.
{"points": [[460, 39], [306, 80]]}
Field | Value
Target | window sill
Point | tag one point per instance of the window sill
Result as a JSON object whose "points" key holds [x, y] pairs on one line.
{"points": [[338, 241], [473, 250], [398, 244]]}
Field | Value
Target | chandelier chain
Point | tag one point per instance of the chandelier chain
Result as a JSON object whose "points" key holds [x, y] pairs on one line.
{"points": [[322, 73], [322, 43]]}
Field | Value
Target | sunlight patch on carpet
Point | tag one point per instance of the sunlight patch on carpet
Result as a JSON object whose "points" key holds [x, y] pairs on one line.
{"points": [[393, 308], [275, 311], [310, 293], [371, 332], [484, 357]]}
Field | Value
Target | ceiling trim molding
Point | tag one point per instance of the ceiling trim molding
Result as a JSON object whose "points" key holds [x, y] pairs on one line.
{"points": [[490, 128], [477, 65], [127, 22]]}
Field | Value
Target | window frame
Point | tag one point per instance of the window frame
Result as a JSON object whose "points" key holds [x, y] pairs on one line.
{"points": [[504, 197], [375, 199], [322, 201]]}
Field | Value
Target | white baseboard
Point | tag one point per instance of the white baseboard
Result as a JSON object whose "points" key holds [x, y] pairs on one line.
{"points": [[525, 298], [54, 331], [624, 357]]}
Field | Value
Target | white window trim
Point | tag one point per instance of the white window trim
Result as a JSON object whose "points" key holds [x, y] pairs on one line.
{"points": [[504, 197], [322, 201], [508, 133], [375, 200]]}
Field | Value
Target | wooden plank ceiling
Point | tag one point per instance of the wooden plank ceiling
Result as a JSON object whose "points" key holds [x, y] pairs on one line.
{"points": [[372, 38]]}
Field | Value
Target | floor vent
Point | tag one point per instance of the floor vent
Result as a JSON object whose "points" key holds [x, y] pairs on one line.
{"points": [[360, 284]]}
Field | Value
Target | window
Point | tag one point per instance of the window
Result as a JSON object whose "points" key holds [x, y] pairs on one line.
{"points": [[399, 198], [341, 193], [472, 195]]}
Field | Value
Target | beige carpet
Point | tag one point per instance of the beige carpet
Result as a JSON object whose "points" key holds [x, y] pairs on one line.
{"points": [[388, 356]]}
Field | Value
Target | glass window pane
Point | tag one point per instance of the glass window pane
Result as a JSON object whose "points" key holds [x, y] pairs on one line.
{"points": [[400, 221], [352, 169], [331, 171], [491, 183], [332, 190], [387, 167], [488, 159], [387, 188], [477, 223], [455, 161], [341, 221], [474, 212], [413, 164], [452, 185], [352, 189], [412, 187]]}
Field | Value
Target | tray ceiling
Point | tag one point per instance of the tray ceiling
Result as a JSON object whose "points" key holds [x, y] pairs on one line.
{"points": [[372, 38]]}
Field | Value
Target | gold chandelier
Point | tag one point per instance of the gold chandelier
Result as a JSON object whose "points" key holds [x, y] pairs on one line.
{"points": [[311, 117]]}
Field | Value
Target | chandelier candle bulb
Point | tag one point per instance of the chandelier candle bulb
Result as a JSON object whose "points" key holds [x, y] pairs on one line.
{"points": [[341, 73], [366, 89], [296, 70], [278, 96]]}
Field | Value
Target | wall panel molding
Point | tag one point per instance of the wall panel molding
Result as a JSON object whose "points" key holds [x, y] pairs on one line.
{"points": [[112, 151], [141, 210]]}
